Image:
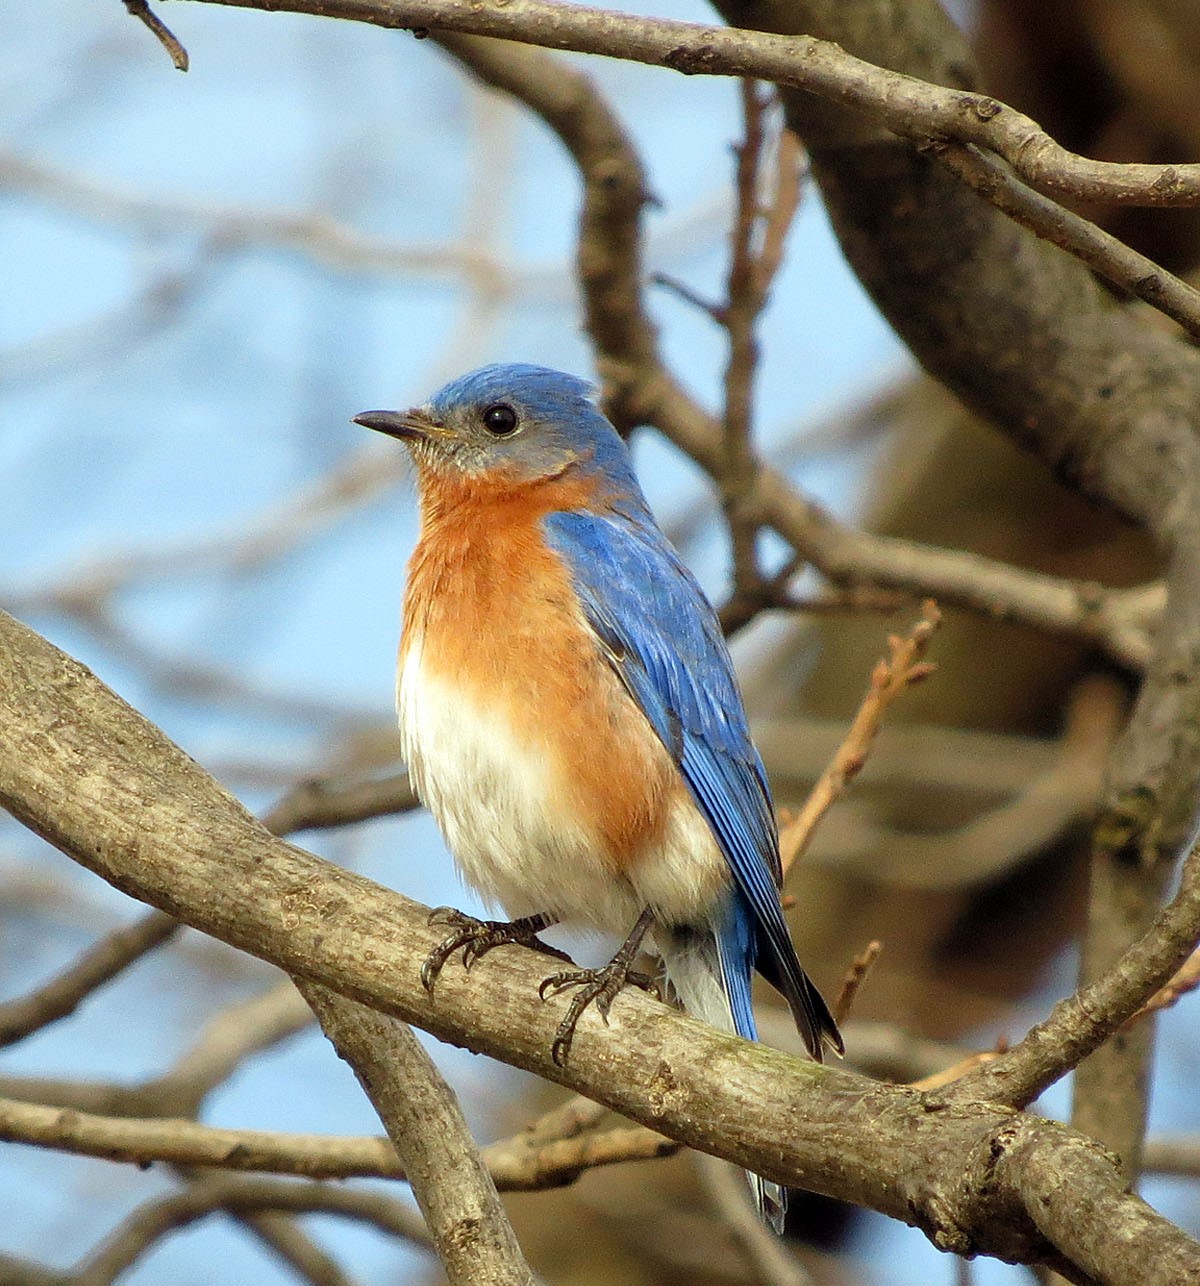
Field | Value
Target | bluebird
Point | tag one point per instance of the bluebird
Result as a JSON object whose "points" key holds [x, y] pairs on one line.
{"points": [[570, 715]]}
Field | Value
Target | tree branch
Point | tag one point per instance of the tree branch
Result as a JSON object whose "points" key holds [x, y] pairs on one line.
{"points": [[105, 786], [237, 1195], [1105, 401], [1105, 254], [67, 990], [910, 107], [474, 1239], [142, 11], [641, 390], [527, 1162]]}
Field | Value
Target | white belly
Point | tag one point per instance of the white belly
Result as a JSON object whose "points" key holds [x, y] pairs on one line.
{"points": [[506, 816]]}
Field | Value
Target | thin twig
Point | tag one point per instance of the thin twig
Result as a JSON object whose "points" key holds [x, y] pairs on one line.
{"points": [[1083, 1021], [1185, 981], [1019, 813], [325, 802], [1105, 254], [956, 1071], [162, 33], [689, 296], [746, 286], [891, 676], [856, 975], [772, 594], [1172, 1154]]}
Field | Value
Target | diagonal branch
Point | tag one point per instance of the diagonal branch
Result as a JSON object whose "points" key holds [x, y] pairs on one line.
{"points": [[141, 10], [99, 964], [238, 1195], [109, 789], [468, 1225]]}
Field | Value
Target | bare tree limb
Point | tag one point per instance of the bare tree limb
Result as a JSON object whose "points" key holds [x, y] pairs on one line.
{"points": [[904, 104], [468, 1225], [1106, 402], [1081, 1023], [142, 11], [1173, 1155], [323, 802], [224, 1042], [67, 990], [235, 1194], [1105, 254], [105, 786], [527, 1162]]}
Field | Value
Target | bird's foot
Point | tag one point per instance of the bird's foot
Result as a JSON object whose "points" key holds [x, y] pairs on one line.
{"points": [[476, 938], [597, 987]]}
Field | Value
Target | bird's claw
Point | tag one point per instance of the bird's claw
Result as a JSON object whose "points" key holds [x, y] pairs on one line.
{"points": [[598, 987], [475, 938]]}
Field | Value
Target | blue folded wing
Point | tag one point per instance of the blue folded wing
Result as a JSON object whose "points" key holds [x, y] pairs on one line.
{"points": [[665, 642]]}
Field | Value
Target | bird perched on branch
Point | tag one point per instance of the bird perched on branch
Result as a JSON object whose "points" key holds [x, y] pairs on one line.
{"points": [[569, 712]]}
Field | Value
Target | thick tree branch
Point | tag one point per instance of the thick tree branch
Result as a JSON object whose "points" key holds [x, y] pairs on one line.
{"points": [[109, 789]]}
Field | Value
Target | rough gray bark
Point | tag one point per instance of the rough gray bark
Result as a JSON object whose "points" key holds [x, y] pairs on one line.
{"points": [[107, 788]]}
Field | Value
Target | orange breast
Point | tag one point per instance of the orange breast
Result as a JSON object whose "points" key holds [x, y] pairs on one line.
{"points": [[497, 617]]}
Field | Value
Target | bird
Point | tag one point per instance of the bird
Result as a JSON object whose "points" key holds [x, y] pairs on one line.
{"points": [[570, 715]]}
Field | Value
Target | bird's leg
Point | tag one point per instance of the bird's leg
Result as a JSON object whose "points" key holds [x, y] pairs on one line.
{"points": [[598, 986], [478, 937]]}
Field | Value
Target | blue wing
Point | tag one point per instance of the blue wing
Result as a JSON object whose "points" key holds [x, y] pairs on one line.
{"points": [[666, 644]]}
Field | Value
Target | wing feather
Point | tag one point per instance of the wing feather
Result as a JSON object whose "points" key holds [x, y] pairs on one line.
{"points": [[664, 641]]}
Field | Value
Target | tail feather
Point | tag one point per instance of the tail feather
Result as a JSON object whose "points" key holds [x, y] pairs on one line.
{"points": [[815, 1023], [714, 985]]}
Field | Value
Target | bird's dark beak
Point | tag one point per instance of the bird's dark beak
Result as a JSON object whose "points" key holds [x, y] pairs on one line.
{"points": [[412, 425]]}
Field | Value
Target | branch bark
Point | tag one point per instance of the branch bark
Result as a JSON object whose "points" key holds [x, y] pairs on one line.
{"points": [[474, 1239], [903, 103], [106, 787], [1106, 402]]}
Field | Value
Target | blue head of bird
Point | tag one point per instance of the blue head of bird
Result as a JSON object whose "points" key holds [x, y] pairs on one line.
{"points": [[523, 424]]}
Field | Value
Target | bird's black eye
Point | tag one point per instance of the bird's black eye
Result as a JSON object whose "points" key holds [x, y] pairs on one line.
{"points": [[500, 420]]}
